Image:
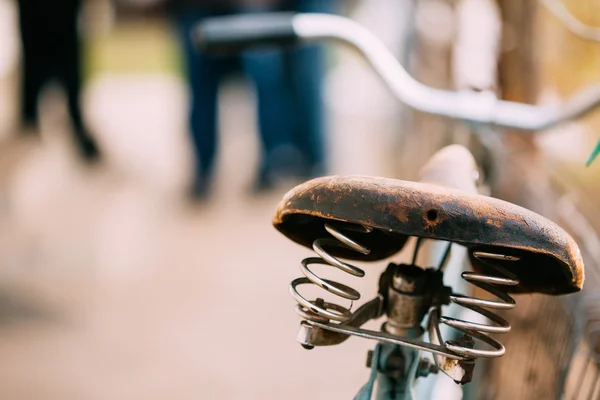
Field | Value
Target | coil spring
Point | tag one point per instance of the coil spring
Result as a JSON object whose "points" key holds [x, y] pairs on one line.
{"points": [[478, 330], [319, 310]]}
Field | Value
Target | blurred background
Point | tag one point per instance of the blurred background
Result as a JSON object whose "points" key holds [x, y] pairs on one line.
{"points": [[138, 180]]}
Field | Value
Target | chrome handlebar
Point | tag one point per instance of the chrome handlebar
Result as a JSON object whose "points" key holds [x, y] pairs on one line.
{"points": [[476, 107], [236, 33]]}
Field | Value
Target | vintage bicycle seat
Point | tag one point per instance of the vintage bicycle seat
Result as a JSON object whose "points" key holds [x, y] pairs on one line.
{"points": [[549, 259]]}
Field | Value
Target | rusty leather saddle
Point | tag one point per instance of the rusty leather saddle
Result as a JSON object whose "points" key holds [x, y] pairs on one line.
{"points": [[550, 261]]}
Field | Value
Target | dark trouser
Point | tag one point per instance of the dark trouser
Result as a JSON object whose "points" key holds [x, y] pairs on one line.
{"points": [[288, 88], [265, 68], [51, 51], [307, 67]]}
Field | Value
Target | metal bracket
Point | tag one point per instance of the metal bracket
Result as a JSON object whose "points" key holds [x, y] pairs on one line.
{"points": [[312, 334], [459, 370]]}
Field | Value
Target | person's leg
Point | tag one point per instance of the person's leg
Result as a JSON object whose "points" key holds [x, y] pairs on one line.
{"points": [[203, 74], [307, 74], [306, 67], [68, 70], [267, 71], [32, 73], [273, 88]]}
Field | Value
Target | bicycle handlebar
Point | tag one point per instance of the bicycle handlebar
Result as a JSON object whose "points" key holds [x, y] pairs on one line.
{"points": [[242, 32]]}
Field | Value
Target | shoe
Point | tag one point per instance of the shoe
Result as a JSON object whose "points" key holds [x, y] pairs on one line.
{"points": [[88, 149], [29, 131], [263, 182], [199, 192]]}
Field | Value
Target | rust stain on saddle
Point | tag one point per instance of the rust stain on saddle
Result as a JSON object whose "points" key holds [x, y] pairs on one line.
{"points": [[496, 222]]}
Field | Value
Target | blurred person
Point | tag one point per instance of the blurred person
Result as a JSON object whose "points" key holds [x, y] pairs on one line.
{"points": [[288, 88], [51, 50]]}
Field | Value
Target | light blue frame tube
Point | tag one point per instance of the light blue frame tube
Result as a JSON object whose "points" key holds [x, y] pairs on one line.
{"points": [[384, 386]]}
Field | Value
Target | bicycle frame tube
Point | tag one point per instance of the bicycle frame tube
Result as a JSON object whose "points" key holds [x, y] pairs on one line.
{"points": [[385, 386], [402, 389]]}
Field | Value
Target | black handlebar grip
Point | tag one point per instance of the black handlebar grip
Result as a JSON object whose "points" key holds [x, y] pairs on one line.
{"points": [[240, 32]]}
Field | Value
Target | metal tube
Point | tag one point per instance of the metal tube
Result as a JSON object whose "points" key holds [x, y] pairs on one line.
{"points": [[478, 107]]}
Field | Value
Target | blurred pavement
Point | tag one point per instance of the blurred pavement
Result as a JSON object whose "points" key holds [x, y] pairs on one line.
{"points": [[113, 287]]}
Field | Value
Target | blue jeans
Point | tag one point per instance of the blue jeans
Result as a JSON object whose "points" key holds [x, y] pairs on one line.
{"points": [[288, 88]]}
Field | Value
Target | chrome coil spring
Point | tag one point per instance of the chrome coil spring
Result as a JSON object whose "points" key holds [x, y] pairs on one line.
{"points": [[319, 310], [481, 331]]}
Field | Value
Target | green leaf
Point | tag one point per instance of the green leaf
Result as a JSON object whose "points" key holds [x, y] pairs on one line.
{"points": [[593, 155]]}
